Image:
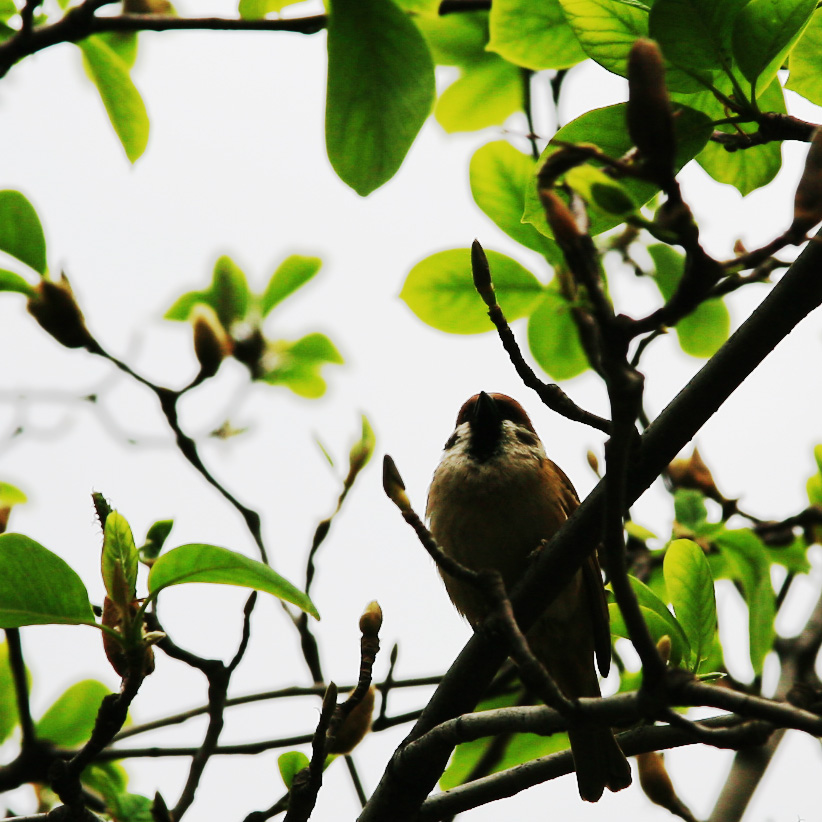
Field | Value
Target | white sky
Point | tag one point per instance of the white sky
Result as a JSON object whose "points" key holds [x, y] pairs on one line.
{"points": [[236, 165]]}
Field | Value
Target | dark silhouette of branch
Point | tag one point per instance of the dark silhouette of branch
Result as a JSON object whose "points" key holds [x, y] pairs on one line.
{"points": [[81, 22]]}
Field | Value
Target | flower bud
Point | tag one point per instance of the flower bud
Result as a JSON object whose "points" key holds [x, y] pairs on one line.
{"points": [[123, 659], [657, 785], [649, 115], [55, 309], [355, 726], [482, 274], [371, 620], [393, 485], [211, 342]]}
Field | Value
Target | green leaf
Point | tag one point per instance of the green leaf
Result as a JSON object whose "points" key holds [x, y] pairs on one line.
{"points": [[299, 364], [119, 561], [689, 508], [817, 455], [533, 35], [806, 62], [487, 93], [602, 192], [37, 587], [695, 35], [606, 128], [258, 9], [440, 291], [70, 720], [814, 489], [197, 562], [705, 330], [123, 44], [11, 496], [290, 764], [380, 90], [125, 108], [764, 33], [292, 273], [9, 281], [21, 234], [499, 175], [691, 589], [553, 337], [455, 39], [230, 295], [663, 622], [155, 539], [794, 557], [746, 561], [658, 627], [8, 696]]}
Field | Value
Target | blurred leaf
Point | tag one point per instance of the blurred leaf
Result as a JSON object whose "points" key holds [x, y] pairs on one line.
{"points": [[21, 233], [197, 562], [691, 589], [228, 294], [123, 44], [380, 90], [607, 129], [553, 338], [806, 62], [299, 364], [9, 281], [440, 291], [155, 539], [8, 696], [125, 108], [292, 273], [703, 332], [689, 508], [455, 39], [119, 561], [746, 561], [794, 557], [290, 764], [257, 9], [11, 496], [487, 93], [764, 33], [499, 175], [69, 722], [362, 450], [37, 587], [534, 35]]}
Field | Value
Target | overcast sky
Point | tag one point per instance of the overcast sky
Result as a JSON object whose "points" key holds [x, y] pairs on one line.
{"points": [[236, 165]]}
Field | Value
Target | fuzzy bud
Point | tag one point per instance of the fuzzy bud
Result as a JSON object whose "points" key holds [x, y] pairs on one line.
{"points": [[482, 274], [355, 726], [657, 785], [123, 659], [664, 648], [371, 620], [211, 342], [593, 462], [649, 114], [55, 309], [393, 485]]}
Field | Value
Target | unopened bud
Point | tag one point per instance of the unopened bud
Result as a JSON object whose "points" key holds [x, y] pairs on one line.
{"points": [[649, 115], [371, 620], [393, 485], [657, 785], [125, 660], [593, 462], [482, 274], [355, 726], [211, 342], [807, 206], [560, 218], [55, 309], [664, 648]]}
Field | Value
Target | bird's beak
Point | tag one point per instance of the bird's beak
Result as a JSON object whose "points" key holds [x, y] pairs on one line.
{"points": [[486, 423]]}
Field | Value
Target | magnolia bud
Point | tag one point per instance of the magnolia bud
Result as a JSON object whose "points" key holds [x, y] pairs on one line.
{"points": [[54, 307], [654, 779], [371, 620], [211, 343], [393, 485], [355, 726], [118, 653], [649, 115], [664, 647], [482, 274]]}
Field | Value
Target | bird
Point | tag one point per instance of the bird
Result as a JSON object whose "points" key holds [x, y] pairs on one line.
{"points": [[494, 497]]}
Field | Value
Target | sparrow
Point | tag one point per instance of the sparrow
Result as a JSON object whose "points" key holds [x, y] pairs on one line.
{"points": [[494, 497]]}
